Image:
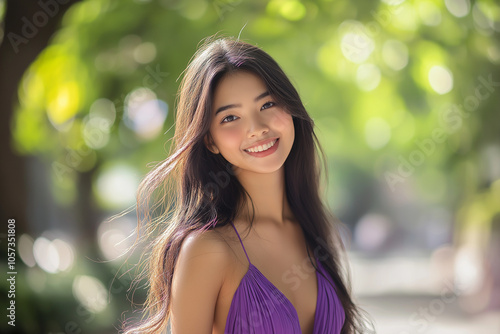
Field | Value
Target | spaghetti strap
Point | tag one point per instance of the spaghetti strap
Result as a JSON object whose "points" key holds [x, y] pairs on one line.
{"points": [[241, 243], [258, 298]]}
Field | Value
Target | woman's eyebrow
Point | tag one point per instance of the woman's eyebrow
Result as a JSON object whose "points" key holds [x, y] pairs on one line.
{"points": [[229, 106]]}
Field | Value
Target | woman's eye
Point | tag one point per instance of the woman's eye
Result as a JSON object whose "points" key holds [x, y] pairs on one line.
{"points": [[225, 118], [268, 104], [229, 119]]}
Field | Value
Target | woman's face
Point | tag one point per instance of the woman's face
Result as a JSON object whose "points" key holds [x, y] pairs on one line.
{"points": [[245, 117]]}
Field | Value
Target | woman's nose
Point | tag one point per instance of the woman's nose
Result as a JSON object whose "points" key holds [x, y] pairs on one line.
{"points": [[257, 126]]}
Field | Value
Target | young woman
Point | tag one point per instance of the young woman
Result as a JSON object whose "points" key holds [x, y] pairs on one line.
{"points": [[248, 245]]}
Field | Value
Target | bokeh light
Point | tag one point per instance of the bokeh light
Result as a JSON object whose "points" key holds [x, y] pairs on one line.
{"points": [[66, 254], [144, 113], [116, 185], [440, 79], [26, 250], [395, 54], [368, 77], [116, 237], [98, 123], [46, 255], [372, 232], [484, 17], [377, 132], [90, 292], [145, 52], [468, 272], [429, 13], [53, 255], [459, 8], [356, 44]]}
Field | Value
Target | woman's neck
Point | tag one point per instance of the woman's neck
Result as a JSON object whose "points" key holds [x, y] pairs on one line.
{"points": [[269, 197]]}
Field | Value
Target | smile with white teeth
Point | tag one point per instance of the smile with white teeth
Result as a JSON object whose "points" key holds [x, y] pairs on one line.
{"points": [[262, 148]]}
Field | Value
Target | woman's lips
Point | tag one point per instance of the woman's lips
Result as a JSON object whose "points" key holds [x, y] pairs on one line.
{"points": [[267, 152], [261, 143]]}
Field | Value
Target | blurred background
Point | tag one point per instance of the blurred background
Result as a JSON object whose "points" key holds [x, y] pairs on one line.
{"points": [[405, 97]]}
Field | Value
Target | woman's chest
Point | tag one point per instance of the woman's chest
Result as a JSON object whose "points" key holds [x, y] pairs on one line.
{"points": [[283, 266]]}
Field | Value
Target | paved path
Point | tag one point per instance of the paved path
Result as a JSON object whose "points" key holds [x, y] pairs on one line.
{"points": [[407, 314]]}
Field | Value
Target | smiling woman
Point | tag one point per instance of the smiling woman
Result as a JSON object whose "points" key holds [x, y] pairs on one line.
{"points": [[251, 128], [245, 158]]}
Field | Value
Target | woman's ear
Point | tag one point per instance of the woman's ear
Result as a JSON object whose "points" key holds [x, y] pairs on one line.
{"points": [[210, 144]]}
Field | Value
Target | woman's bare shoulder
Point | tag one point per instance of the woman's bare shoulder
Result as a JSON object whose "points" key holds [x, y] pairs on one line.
{"points": [[209, 241], [201, 268], [217, 244]]}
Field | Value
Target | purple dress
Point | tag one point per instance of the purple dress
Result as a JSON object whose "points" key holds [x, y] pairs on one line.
{"points": [[259, 307]]}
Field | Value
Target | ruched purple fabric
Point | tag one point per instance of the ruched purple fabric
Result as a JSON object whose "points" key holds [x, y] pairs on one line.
{"points": [[259, 307]]}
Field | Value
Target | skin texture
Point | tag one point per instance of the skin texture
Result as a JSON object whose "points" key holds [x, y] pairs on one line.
{"points": [[210, 266]]}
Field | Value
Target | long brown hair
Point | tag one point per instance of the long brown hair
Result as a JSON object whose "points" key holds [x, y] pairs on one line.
{"points": [[207, 192]]}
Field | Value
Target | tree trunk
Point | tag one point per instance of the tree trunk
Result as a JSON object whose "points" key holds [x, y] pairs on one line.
{"points": [[28, 27]]}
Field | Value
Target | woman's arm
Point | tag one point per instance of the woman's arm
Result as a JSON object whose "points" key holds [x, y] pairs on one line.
{"points": [[200, 269]]}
